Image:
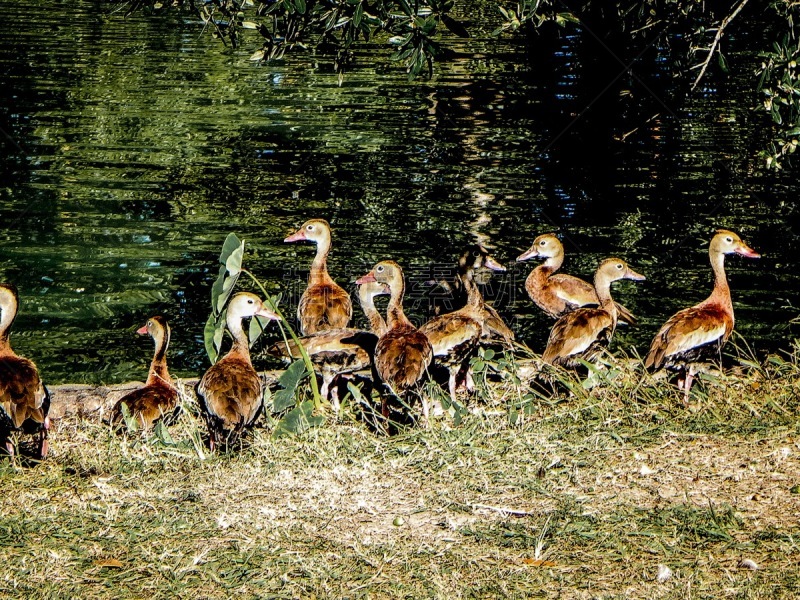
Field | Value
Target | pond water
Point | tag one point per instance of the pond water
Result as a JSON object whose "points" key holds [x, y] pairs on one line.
{"points": [[131, 146]]}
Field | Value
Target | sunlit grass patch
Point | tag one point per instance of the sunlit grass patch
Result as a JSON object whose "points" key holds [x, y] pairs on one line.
{"points": [[605, 490]]}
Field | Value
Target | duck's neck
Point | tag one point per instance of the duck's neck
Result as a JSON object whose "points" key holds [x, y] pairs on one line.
{"points": [[394, 313], [721, 294], [241, 345], [376, 322], [474, 297], [553, 263], [319, 266], [158, 367], [8, 313], [602, 286]]}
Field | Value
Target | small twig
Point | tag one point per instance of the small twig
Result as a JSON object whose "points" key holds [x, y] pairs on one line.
{"points": [[508, 511], [717, 38]]}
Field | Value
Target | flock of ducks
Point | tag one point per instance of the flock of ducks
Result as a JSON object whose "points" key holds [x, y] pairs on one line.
{"points": [[398, 355]]}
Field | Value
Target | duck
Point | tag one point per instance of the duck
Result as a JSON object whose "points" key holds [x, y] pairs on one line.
{"points": [[159, 396], [338, 352], [494, 330], [230, 392], [24, 399], [697, 334], [556, 293], [582, 334], [324, 304], [403, 353]]}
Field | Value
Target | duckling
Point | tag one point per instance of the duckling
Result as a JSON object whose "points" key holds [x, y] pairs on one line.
{"points": [[324, 304], [584, 332], [158, 397], [403, 353], [697, 334], [231, 392], [558, 294], [24, 399], [341, 351]]}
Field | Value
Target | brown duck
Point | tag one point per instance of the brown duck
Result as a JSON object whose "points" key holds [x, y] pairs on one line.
{"points": [[158, 397], [697, 334], [583, 333], [403, 353], [231, 392], [555, 293], [324, 304], [341, 351], [24, 400]]}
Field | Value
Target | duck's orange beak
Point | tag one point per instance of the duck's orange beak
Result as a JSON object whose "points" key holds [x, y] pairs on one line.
{"points": [[631, 274], [142, 330], [368, 278], [493, 264], [298, 236]]}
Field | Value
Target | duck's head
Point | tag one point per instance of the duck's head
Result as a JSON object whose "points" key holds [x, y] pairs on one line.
{"points": [[545, 246], [153, 327], [613, 269], [727, 242], [314, 230], [477, 257], [386, 272], [245, 304]]}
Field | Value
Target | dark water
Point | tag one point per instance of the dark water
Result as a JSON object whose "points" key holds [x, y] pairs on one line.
{"points": [[132, 146]]}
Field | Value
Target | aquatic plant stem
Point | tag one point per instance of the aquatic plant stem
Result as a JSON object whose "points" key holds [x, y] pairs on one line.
{"points": [[318, 400]]}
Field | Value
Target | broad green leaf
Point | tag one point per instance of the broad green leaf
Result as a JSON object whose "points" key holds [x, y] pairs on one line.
{"points": [[209, 332], [234, 260], [163, 434], [301, 6], [455, 27], [289, 380], [216, 289], [130, 421], [227, 289], [229, 246], [219, 331], [298, 420]]}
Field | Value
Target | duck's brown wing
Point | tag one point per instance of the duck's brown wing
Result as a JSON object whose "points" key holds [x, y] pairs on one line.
{"points": [[22, 393], [575, 332], [402, 357], [690, 328], [324, 306], [147, 404], [452, 337], [230, 393]]}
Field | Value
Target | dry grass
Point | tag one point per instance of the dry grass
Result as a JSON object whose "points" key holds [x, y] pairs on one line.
{"points": [[585, 495]]}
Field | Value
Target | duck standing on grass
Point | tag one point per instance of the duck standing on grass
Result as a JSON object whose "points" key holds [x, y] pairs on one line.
{"points": [[324, 304], [581, 335], [158, 397], [697, 334], [24, 399], [556, 293], [342, 351], [231, 393], [403, 353]]}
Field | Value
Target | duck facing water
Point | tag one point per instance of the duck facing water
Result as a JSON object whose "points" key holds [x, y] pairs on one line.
{"points": [[24, 399]]}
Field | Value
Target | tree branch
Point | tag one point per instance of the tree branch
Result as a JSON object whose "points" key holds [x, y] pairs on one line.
{"points": [[717, 38]]}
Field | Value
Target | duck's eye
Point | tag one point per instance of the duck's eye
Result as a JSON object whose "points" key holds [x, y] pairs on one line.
{"points": [[310, 228], [379, 269], [619, 266], [543, 243], [729, 240], [476, 253], [249, 300]]}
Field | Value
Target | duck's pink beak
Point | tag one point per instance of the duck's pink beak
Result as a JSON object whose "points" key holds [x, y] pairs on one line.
{"points": [[747, 251], [268, 314], [368, 278], [142, 330], [631, 274], [533, 252], [298, 236], [493, 264]]}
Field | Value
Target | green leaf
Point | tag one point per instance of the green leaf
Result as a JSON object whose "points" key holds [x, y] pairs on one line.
{"points": [[291, 378], [723, 64], [163, 434], [234, 260], [209, 332], [130, 421], [298, 420], [301, 6]]}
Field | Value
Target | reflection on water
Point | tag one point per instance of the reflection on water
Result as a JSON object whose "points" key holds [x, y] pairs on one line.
{"points": [[133, 146]]}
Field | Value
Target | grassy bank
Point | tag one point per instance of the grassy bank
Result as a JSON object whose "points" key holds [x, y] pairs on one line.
{"points": [[590, 494]]}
